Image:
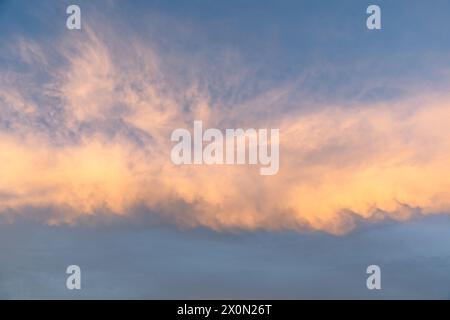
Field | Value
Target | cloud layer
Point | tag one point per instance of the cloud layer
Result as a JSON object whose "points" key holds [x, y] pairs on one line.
{"points": [[85, 128]]}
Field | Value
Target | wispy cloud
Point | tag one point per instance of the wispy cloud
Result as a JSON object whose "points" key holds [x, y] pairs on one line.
{"points": [[90, 132]]}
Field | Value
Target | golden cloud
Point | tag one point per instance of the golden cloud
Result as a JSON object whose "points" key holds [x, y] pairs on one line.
{"points": [[337, 162]]}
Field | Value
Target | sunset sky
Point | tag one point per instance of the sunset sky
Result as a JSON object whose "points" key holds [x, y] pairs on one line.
{"points": [[86, 178]]}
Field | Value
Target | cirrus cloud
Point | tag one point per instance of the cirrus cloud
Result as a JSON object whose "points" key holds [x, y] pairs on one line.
{"points": [[91, 132]]}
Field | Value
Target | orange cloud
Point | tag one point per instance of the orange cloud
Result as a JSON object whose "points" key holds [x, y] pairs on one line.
{"points": [[336, 162]]}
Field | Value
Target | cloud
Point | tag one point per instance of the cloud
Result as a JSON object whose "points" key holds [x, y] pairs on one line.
{"points": [[90, 132]]}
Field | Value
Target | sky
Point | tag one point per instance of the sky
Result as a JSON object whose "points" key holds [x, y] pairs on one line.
{"points": [[86, 178]]}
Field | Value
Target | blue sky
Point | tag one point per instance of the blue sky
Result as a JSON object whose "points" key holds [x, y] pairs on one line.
{"points": [[85, 121], [164, 263]]}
